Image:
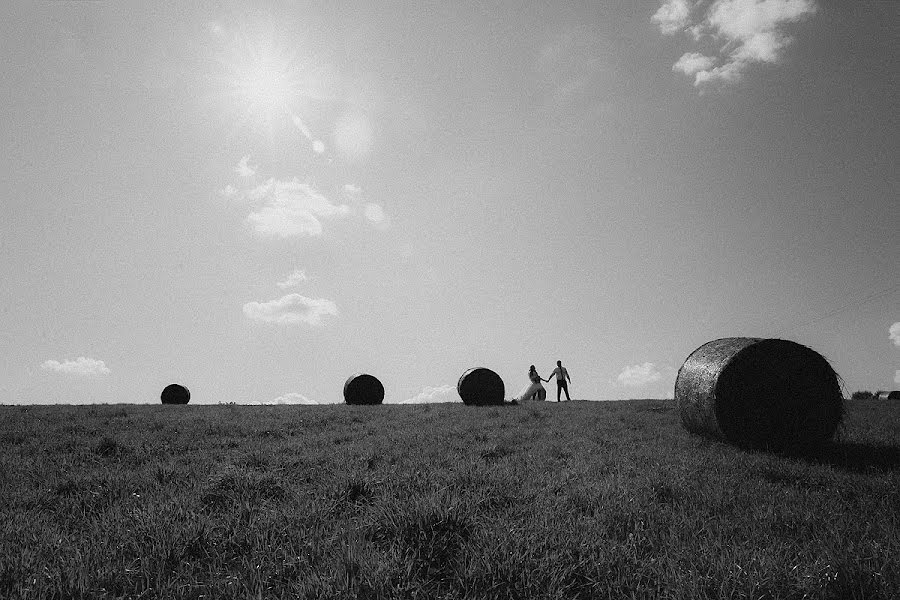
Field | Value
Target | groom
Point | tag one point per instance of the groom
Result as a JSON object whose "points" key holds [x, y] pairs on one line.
{"points": [[561, 376]]}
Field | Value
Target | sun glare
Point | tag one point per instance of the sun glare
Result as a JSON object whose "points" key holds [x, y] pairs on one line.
{"points": [[265, 85], [262, 77], [268, 85]]}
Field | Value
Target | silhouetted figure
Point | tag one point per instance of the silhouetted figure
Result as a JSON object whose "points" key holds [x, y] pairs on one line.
{"points": [[534, 390], [561, 376]]}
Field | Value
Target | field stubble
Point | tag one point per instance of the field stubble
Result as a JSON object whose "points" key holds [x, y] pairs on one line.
{"points": [[546, 500]]}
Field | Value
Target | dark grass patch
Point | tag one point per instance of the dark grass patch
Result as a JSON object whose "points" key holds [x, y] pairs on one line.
{"points": [[234, 486], [66, 488], [353, 491], [14, 438], [664, 493], [784, 477], [108, 447], [495, 452], [430, 539]]}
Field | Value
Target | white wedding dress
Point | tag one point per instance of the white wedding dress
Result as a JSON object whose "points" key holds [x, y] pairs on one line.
{"points": [[530, 390]]}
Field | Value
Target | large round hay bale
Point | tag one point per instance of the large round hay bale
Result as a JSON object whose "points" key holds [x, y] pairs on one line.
{"points": [[362, 388], [481, 387], [759, 393], [175, 394]]}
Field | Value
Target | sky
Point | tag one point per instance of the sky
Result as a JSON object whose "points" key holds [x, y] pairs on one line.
{"points": [[259, 200]]}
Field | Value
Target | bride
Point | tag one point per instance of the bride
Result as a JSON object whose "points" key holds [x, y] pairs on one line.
{"points": [[534, 390]]}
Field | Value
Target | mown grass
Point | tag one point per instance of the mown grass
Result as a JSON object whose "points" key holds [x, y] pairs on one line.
{"points": [[578, 500]]}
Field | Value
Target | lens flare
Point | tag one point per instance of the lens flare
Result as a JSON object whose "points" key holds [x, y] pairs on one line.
{"points": [[264, 82]]}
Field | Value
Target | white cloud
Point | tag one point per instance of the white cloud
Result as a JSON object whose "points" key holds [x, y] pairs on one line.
{"points": [[672, 16], [638, 375], [80, 366], [894, 332], [293, 280], [744, 32], [291, 398], [430, 395], [352, 190], [291, 208], [375, 214], [292, 309], [215, 28], [692, 62], [897, 377], [229, 191], [318, 146], [244, 169]]}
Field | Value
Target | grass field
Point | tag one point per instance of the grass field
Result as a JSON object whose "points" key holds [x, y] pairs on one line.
{"points": [[571, 500]]}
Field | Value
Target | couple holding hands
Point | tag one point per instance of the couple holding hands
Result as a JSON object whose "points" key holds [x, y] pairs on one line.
{"points": [[536, 391]]}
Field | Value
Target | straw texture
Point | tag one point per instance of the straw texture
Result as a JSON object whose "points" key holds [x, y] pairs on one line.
{"points": [[761, 393]]}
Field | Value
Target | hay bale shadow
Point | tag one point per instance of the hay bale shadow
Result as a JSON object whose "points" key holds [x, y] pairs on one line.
{"points": [[855, 456]]}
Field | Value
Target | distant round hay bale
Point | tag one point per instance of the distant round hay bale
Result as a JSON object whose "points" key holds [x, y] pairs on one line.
{"points": [[362, 388], [481, 387], [175, 394], [759, 393]]}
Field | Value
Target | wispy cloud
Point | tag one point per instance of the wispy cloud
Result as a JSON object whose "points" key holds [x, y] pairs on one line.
{"points": [[290, 208], [291, 398], [82, 366], [736, 33], [244, 169], [638, 375], [692, 63], [292, 309], [375, 215], [430, 395], [572, 66], [293, 280], [894, 332], [672, 16], [228, 192]]}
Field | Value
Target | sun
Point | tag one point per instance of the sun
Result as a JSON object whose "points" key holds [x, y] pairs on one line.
{"points": [[271, 89], [265, 84]]}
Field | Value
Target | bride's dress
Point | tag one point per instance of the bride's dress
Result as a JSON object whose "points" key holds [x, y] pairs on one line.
{"points": [[531, 389]]}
